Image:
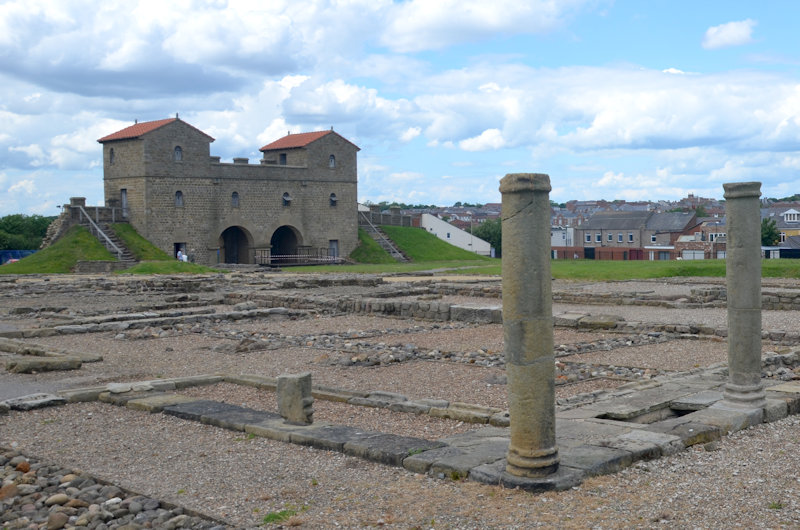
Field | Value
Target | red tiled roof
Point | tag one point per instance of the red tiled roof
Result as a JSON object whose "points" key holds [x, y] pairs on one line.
{"points": [[295, 140], [136, 130]]}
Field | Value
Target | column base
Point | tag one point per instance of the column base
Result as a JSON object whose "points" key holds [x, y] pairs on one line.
{"points": [[535, 464], [745, 396]]}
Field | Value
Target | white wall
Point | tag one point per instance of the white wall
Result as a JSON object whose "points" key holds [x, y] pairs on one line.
{"points": [[455, 236]]}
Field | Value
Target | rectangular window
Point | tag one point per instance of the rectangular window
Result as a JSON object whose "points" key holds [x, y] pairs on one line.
{"points": [[653, 238], [448, 235], [598, 237], [282, 159], [588, 238], [619, 237], [610, 237], [630, 237]]}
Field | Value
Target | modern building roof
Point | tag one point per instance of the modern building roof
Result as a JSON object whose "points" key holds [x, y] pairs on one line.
{"points": [[139, 129], [670, 221], [616, 221]]}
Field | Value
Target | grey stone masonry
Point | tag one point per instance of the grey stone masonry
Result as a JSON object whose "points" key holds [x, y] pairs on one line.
{"points": [[743, 265], [528, 324], [295, 402]]}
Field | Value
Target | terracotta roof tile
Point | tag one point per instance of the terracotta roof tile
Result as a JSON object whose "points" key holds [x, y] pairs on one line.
{"points": [[295, 140], [136, 130]]}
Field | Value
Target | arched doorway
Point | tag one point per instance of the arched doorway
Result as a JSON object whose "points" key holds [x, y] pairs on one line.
{"points": [[235, 245], [284, 243]]}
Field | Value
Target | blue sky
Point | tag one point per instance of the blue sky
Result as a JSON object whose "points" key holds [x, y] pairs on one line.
{"points": [[613, 99]]}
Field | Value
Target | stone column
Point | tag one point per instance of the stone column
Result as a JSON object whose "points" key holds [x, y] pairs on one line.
{"points": [[528, 324], [743, 275], [295, 402]]}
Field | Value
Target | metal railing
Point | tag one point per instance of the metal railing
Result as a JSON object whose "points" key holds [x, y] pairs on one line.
{"points": [[387, 245], [303, 256], [97, 232]]}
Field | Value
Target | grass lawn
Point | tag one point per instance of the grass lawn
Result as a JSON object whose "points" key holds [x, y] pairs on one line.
{"points": [[142, 249], [420, 245], [62, 256]]}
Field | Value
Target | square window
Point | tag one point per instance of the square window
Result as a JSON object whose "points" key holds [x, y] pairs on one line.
{"points": [[653, 238]]}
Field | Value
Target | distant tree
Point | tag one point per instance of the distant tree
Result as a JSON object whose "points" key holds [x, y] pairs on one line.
{"points": [[23, 232], [700, 211], [769, 233], [491, 231]]}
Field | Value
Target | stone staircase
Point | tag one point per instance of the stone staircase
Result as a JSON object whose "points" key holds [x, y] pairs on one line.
{"points": [[382, 239], [110, 241]]}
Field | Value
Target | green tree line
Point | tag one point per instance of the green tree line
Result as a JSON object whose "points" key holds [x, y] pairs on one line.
{"points": [[23, 232]]}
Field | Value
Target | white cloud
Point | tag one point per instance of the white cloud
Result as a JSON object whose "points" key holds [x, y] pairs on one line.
{"points": [[34, 152], [406, 176], [23, 186], [730, 34], [410, 134], [488, 139]]}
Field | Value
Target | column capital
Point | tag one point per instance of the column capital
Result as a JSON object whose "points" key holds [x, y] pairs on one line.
{"points": [[741, 190], [522, 182]]}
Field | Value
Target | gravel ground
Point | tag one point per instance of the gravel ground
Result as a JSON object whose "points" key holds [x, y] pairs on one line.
{"points": [[747, 480]]}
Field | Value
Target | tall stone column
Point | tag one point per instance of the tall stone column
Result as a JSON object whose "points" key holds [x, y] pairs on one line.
{"points": [[528, 324], [743, 275]]}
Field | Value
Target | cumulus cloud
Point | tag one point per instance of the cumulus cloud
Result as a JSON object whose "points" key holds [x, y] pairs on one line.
{"points": [[410, 133], [729, 34], [23, 186], [405, 176], [488, 139]]}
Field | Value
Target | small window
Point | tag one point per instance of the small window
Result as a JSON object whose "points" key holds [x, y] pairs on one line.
{"points": [[610, 237], [282, 159], [448, 235], [333, 199], [287, 199], [789, 217], [630, 237], [653, 238], [332, 161], [235, 199], [598, 237], [783, 237], [588, 238], [111, 156], [619, 237], [177, 154], [178, 198]]}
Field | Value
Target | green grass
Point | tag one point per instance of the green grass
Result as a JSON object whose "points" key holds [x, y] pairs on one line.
{"points": [[167, 267], [597, 270], [142, 249], [62, 256], [422, 246], [369, 251]]}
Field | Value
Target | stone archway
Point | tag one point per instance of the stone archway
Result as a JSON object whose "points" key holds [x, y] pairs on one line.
{"points": [[235, 243], [285, 242]]}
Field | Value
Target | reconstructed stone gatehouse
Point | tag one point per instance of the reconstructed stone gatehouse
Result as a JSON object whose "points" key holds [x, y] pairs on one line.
{"points": [[299, 200]]}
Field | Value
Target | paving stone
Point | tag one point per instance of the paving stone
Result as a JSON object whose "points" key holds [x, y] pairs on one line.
{"points": [[275, 429], [690, 432], [77, 395], [668, 444], [569, 319], [34, 401], [196, 380], [27, 365], [775, 410], [697, 401], [235, 418], [457, 466], [727, 418], [335, 394], [156, 403], [495, 473], [595, 460], [388, 449], [330, 437], [257, 381], [121, 399], [578, 432], [644, 402], [480, 436], [410, 406], [194, 410], [421, 462]]}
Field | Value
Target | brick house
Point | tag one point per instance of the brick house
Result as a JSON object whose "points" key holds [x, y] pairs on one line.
{"points": [[300, 199]]}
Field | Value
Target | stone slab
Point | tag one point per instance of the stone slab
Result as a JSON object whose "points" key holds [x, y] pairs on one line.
{"points": [[121, 399], [257, 381], [335, 394], [480, 436], [410, 406], [595, 460], [459, 414], [421, 462], [495, 473], [690, 432], [668, 444], [194, 410], [697, 401], [34, 401], [275, 429], [457, 466], [578, 432], [390, 449], [79, 395], [195, 380], [643, 402], [775, 409], [235, 418], [329, 437], [727, 418], [156, 403], [27, 365]]}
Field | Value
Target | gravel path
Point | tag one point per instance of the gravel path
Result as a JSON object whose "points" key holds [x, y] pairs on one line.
{"points": [[747, 480]]}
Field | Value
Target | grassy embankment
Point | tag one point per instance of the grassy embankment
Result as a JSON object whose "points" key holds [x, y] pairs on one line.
{"points": [[79, 245]]}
